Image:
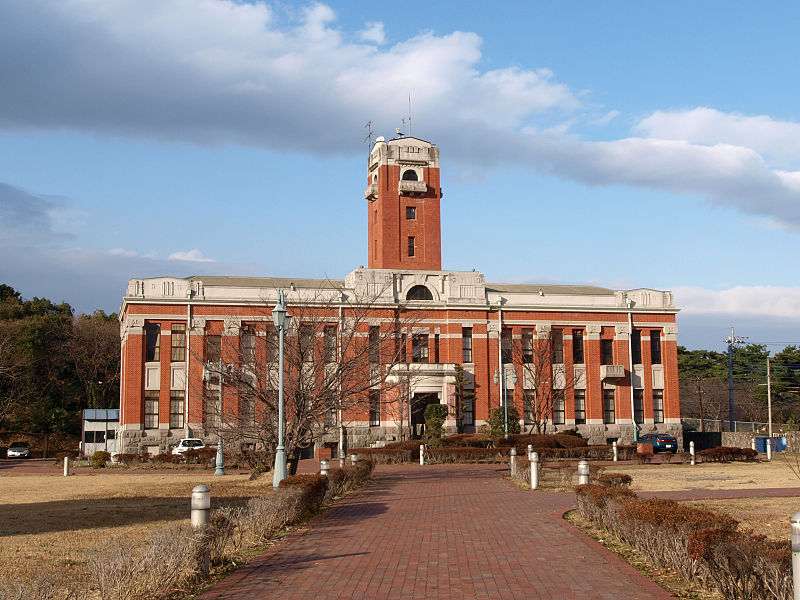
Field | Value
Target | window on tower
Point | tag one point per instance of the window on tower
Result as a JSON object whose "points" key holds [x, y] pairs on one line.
{"points": [[411, 245], [410, 175], [411, 213]]}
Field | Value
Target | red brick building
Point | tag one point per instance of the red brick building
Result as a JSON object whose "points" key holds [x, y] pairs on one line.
{"points": [[611, 355]]}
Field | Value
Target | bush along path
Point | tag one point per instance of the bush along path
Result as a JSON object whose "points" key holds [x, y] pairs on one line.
{"points": [[697, 543], [175, 560]]}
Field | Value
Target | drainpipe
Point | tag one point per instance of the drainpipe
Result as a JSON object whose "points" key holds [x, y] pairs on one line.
{"points": [[629, 302], [340, 452], [186, 374], [501, 368]]}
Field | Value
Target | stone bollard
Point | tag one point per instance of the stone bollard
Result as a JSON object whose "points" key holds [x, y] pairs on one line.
{"points": [[691, 452], [753, 444], [66, 466], [614, 448], [583, 472], [530, 451], [534, 470], [341, 461], [513, 462], [795, 521], [769, 448], [201, 505], [353, 458], [324, 466], [421, 454]]}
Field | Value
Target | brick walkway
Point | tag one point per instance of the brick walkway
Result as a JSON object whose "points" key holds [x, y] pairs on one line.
{"points": [[440, 531]]}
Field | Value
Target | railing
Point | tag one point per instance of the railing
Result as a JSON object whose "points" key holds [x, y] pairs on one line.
{"points": [[740, 426]]}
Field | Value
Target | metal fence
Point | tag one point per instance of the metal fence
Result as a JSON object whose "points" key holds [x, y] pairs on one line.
{"points": [[740, 426]]}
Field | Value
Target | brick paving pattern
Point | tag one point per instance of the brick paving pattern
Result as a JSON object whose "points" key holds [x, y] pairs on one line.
{"points": [[440, 531]]}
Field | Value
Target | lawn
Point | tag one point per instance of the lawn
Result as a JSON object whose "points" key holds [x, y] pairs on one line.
{"points": [[52, 521]]}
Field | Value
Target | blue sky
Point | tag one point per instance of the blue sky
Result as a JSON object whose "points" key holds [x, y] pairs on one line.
{"points": [[624, 144]]}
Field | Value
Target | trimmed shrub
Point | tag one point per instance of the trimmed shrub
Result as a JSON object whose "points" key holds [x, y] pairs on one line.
{"points": [[727, 454], [348, 478], [128, 459], [100, 458], [43, 585], [387, 456], [497, 420], [615, 480], [466, 455]]}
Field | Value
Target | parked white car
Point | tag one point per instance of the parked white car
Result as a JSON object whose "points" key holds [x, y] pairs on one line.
{"points": [[188, 444], [19, 450]]}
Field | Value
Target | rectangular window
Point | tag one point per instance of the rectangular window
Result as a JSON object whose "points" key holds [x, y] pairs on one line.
{"points": [[374, 408], [466, 344], [558, 407], [329, 419], [247, 412], [329, 343], [467, 411], [411, 245], [636, 346], [607, 352], [248, 343], [403, 348], [506, 345], [151, 409], [419, 348], [152, 351], [580, 407], [374, 344], [176, 407], [411, 213], [557, 339], [609, 411], [307, 343], [213, 348], [638, 406], [436, 348], [577, 346], [527, 346], [272, 344], [655, 347], [178, 342], [528, 407], [658, 406]]}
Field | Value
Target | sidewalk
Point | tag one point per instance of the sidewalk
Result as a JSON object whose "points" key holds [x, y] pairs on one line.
{"points": [[440, 531]]}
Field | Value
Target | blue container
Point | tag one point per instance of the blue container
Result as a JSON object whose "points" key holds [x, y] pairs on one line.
{"points": [[778, 444]]}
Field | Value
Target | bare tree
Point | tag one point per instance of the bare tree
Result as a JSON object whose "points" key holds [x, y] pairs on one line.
{"points": [[338, 355], [13, 365], [93, 350]]}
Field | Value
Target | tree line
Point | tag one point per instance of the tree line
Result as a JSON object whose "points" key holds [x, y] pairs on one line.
{"points": [[53, 364], [704, 383]]}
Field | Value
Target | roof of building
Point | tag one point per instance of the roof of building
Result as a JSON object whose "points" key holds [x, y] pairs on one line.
{"points": [[266, 282], [532, 288]]}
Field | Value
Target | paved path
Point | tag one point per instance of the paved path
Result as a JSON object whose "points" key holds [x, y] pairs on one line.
{"points": [[441, 531]]}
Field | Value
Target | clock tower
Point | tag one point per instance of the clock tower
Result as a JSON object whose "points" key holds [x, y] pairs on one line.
{"points": [[403, 196]]}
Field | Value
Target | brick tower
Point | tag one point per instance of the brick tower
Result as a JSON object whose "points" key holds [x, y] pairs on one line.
{"points": [[403, 195]]}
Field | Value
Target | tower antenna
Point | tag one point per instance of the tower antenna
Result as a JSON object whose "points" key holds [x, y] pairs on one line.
{"points": [[409, 114], [368, 137]]}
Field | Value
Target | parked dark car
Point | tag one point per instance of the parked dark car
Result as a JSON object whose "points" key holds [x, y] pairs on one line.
{"points": [[662, 442]]}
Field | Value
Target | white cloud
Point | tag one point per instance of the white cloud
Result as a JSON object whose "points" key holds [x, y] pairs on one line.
{"points": [[190, 255], [742, 301], [373, 32], [122, 252], [220, 71], [777, 140]]}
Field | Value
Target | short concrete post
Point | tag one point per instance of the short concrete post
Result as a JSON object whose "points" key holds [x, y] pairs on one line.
{"points": [[324, 466], [614, 448], [769, 448], [583, 472], [534, 470], [421, 454], [691, 452], [201, 505], [513, 461], [795, 521], [66, 466], [753, 444], [341, 461], [530, 451], [353, 458]]}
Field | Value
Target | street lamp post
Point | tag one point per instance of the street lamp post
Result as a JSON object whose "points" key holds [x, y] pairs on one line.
{"points": [[501, 379], [281, 319], [220, 462]]}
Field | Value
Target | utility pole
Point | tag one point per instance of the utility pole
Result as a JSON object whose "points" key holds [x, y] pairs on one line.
{"points": [[731, 341], [769, 400]]}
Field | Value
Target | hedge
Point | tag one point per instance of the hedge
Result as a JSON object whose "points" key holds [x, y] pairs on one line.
{"points": [[727, 454]]}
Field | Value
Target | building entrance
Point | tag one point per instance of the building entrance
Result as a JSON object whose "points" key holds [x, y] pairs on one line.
{"points": [[418, 404]]}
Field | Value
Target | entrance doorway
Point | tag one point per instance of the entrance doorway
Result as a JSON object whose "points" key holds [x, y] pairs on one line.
{"points": [[418, 404]]}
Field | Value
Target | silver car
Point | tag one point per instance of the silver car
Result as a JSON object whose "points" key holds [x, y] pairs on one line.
{"points": [[19, 450]]}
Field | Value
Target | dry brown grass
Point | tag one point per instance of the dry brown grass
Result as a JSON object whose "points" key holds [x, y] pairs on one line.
{"points": [[52, 521], [658, 477], [765, 516]]}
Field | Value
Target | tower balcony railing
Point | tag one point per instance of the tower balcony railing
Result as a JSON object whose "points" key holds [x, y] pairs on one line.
{"points": [[412, 187]]}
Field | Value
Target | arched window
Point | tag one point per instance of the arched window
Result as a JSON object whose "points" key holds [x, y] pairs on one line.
{"points": [[375, 178], [419, 292], [410, 175]]}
